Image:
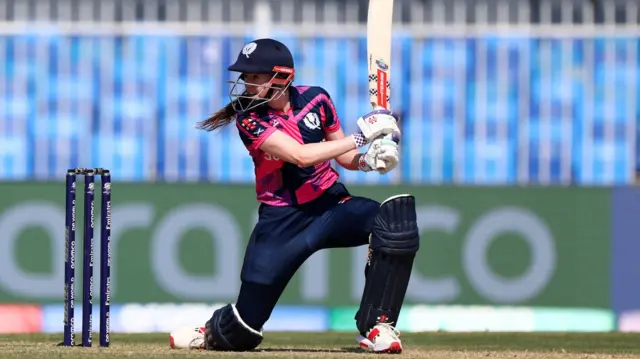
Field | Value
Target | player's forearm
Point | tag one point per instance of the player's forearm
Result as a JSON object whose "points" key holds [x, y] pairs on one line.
{"points": [[312, 154], [350, 160]]}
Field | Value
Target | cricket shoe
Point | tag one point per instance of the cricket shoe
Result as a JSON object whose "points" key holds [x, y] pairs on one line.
{"points": [[187, 337], [382, 338]]}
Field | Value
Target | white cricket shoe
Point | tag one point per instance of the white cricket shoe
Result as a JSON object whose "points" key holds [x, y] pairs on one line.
{"points": [[187, 337], [382, 338]]}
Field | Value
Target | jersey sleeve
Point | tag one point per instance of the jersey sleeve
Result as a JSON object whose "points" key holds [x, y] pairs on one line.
{"points": [[253, 131], [330, 119]]}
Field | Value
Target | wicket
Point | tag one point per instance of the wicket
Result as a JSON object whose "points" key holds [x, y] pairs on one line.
{"points": [[88, 253]]}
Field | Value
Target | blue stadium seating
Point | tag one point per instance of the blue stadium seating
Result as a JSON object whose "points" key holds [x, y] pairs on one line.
{"points": [[474, 108]]}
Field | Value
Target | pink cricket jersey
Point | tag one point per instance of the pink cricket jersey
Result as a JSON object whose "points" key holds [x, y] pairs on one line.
{"points": [[311, 117]]}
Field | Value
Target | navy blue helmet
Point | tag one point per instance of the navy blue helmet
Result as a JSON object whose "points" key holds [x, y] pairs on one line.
{"points": [[262, 56]]}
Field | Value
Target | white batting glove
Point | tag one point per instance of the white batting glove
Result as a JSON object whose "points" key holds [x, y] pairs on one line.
{"points": [[382, 156], [388, 157], [367, 161], [375, 124], [387, 154]]}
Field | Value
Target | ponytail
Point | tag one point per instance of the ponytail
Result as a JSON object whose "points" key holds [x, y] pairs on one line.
{"points": [[223, 117]]}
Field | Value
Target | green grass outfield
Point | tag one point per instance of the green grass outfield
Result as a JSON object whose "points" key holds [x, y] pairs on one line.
{"points": [[343, 345]]}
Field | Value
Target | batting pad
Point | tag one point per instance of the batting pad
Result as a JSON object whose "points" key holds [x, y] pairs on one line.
{"points": [[395, 240], [229, 331]]}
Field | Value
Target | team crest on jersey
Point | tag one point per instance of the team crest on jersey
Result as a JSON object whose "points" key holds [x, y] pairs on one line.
{"points": [[312, 121]]}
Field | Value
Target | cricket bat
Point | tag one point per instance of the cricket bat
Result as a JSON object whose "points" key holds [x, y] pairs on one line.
{"points": [[379, 25]]}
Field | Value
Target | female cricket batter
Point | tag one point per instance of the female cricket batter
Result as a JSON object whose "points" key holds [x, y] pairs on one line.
{"points": [[292, 133]]}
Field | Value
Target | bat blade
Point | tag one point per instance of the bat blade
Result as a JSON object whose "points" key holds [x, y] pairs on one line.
{"points": [[379, 25], [379, 29]]}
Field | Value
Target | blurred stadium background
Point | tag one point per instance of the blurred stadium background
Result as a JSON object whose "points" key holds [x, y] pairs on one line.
{"points": [[520, 123]]}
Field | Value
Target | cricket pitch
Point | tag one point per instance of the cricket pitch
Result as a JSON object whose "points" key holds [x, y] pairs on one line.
{"points": [[343, 345]]}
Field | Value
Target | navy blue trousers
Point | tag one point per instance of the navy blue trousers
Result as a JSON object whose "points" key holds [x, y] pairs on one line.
{"points": [[285, 237]]}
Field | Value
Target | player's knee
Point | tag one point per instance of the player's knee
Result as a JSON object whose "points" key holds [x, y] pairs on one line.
{"points": [[227, 331], [395, 228]]}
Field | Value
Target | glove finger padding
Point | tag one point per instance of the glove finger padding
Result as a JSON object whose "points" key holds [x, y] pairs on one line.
{"points": [[387, 156], [371, 156], [381, 165], [382, 155], [389, 163]]}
